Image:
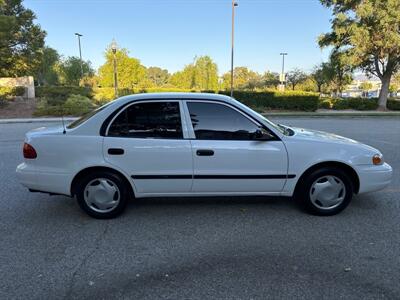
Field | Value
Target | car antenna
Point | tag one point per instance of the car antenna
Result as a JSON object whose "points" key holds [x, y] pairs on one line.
{"points": [[63, 123]]}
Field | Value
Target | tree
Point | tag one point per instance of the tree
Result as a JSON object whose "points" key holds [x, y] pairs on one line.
{"points": [[185, 79], [206, 74], [157, 76], [21, 41], [72, 72], [131, 74], [270, 79], [46, 72], [367, 33], [295, 77], [366, 86], [320, 75], [201, 75], [243, 78], [338, 72], [396, 82]]}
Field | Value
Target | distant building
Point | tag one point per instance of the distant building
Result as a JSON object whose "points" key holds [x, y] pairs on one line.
{"points": [[26, 82], [354, 89]]}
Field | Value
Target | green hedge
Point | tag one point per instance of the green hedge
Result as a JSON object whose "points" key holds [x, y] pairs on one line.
{"points": [[301, 101], [102, 95], [393, 104], [106, 94], [75, 105], [360, 103], [290, 100], [61, 93]]}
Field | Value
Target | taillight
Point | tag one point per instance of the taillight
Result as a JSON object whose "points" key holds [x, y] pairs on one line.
{"points": [[29, 151]]}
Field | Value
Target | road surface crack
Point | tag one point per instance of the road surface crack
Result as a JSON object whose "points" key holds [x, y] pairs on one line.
{"points": [[97, 243]]}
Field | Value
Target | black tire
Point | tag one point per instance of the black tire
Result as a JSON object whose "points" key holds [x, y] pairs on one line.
{"points": [[110, 177], [303, 192]]}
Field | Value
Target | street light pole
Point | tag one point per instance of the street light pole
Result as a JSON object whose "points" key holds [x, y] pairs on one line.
{"points": [[282, 79], [234, 4], [114, 51], [80, 51]]}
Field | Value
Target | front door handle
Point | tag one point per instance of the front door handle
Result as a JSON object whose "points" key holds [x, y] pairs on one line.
{"points": [[205, 152], [116, 151]]}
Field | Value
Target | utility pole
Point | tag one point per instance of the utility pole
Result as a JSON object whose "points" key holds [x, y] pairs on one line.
{"points": [[80, 51], [114, 51], [282, 78], [234, 4]]}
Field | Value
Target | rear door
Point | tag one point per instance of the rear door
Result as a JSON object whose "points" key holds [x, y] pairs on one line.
{"points": [[146, 140], [232, 152]]}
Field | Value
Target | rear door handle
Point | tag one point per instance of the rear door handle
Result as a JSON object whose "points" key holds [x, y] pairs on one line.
{"points": [[116, 151], [204, 152]]}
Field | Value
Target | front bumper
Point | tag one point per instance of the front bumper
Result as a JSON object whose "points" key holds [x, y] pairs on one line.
{"points": [[374, 178], [44, 181]]}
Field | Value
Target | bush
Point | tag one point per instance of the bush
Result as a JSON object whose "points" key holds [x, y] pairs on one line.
{"points": [[261, 100], [325, 104], [102, 95], [5, 93], [105, 94], [44, 108], [78, 105], [340, 104], [363, 104], [75, 105], [61, 93], [290, 100], [393, 104]]}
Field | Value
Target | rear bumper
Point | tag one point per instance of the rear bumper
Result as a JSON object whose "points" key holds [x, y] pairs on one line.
{"points": [[48, 182], [374, 178]]}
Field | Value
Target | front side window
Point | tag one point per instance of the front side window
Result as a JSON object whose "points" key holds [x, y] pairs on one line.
{"points": [[212, 121], [148, 120]]}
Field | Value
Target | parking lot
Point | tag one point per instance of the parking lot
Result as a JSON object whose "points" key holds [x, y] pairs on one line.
{"points": [[202, 248]]}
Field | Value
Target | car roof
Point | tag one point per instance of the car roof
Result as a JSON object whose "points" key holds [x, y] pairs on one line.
{"points": [[160, 96]]}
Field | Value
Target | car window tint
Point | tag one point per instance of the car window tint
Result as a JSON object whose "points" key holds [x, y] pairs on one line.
{"points": [[149, 120], [212, 121]]}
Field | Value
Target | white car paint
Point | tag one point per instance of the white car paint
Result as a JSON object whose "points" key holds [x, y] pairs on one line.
{"points": [[62, 156]]}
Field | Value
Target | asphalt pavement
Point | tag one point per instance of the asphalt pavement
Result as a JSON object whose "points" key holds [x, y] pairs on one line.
{"points": [[203, 248]]}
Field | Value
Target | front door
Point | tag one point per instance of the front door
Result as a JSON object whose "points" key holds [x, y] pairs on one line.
{"points": [[146, 140], [232, 153]]}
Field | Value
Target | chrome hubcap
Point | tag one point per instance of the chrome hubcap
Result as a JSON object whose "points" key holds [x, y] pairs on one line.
{"points": [[102, 195], [327, 192]]}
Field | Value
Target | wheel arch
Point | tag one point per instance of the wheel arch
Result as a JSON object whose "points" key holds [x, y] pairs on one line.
{"points": [[355, 180], [92, 169]]}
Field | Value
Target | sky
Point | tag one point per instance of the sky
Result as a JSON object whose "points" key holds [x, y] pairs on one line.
{"points": [[170, 33]]}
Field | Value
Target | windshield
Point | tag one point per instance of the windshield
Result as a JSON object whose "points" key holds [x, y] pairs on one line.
{"points": [[87, 116]]}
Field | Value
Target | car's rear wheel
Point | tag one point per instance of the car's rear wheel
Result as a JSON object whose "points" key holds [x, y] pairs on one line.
{"points": [[102, 195], [325, 192]]}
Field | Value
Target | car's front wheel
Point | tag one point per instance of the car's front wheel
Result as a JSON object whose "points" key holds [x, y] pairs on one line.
{"points": [[102, 195], [325, 192]]}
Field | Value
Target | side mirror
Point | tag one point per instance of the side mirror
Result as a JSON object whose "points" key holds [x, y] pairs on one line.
{"points": [[262, 135], [258, 134]]}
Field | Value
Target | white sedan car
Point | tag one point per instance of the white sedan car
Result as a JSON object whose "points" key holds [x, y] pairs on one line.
{"points": [[183, 144]]}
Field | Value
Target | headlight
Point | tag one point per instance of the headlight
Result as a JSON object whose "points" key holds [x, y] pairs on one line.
{"points": [[377, 159]]}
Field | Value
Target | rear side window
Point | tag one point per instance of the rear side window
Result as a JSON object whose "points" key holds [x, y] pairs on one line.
{"points": [[213, 121], [148, 120]]}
